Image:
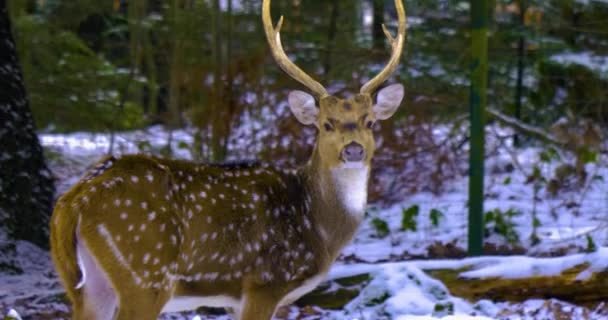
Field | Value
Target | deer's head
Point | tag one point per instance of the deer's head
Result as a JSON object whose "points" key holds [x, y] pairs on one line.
{"points": [[345, 126]]}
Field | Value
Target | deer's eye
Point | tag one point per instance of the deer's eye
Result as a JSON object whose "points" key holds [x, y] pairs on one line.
{"points": [[369, 124], [328, 127]]}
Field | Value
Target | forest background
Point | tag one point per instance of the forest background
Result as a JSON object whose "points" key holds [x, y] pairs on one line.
{"points": [[194, 79], [111, 68], [115, 66]]}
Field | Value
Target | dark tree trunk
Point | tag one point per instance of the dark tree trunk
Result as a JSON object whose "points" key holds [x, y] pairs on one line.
{"points": [[378, 33], [26, 184], [331, 38], [521, 53]]}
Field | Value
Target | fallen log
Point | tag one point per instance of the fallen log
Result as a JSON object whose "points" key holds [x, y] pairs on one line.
{"points": [[580, 279], [566, 286]]}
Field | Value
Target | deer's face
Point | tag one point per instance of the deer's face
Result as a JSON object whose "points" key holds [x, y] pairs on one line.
{"points": [[345, 126]]}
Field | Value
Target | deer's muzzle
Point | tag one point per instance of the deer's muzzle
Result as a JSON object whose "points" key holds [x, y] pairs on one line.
{"points": [[353, 152]]}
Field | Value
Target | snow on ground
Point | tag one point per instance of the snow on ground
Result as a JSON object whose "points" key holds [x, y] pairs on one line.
{"points": [[511, 267], [588, 59], [400, 290], [34, 289], [566, 223]]}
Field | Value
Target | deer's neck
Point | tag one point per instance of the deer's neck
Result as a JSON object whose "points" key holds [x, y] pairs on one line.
{"points": [[339, 201], [350, 188]]}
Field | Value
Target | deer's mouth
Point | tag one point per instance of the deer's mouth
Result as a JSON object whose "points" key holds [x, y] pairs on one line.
{"points": [[353, 164]]}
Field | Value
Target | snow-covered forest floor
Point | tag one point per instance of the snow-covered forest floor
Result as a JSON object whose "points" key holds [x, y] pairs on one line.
{"points": [[398, 243]]}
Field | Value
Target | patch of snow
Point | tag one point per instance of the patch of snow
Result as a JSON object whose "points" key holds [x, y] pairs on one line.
{"points": [[565, 220], [588, 59], [37, 288], [402, 291], [587, 2], [13, 314]]}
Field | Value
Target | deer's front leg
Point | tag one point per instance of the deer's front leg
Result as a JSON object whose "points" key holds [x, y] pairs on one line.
{"points": [[147, 306], [259, 304]]}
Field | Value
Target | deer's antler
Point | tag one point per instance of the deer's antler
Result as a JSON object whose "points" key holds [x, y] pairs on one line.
{"points": [[397, 48], [274, 40]]}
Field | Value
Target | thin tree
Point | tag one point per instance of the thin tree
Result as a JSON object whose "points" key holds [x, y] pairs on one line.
{"points": [[521, 52], [378, 33], [26, 184], [479, 84]]}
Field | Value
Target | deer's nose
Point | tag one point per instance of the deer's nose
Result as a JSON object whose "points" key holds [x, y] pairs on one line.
{"points": [[353, 152]]}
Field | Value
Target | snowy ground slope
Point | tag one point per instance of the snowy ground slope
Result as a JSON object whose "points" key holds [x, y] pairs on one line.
{"points": [[563, 221], [567, 223], [37, 289]]}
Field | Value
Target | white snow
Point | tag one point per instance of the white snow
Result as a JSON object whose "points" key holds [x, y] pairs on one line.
{"points": [[13, 314], [591, 60], [507, 267], [401, 290], [36, 289], [564, 220]]}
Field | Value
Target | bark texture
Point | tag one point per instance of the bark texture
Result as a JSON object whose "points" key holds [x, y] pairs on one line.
{"points": [[26, 184]]}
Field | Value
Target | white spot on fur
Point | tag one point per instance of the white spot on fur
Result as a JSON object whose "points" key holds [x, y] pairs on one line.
{"points": [[103, 231]]}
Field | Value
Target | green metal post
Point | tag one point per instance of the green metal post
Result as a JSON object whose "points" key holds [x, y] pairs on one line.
{"points": [[479, 79]]}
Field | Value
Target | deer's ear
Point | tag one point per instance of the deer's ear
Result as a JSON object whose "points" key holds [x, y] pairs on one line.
{"points": [[389, 99], [303, 106]]}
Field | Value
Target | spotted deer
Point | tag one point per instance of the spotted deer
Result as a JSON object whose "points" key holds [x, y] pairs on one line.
{"points": [[139, 235]]}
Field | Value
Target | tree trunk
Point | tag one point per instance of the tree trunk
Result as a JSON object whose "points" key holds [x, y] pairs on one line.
{"points": [[521, 51], [219, 134], [26, 184], [477, 103], [331, 38], [378, 33]]}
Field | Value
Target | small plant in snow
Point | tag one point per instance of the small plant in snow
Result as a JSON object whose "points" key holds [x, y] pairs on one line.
{"points": [[435, 216], [378, 300], [591, 246], [381, 227], [397, 291], [500, 222], [408, 218], [443, 309]]}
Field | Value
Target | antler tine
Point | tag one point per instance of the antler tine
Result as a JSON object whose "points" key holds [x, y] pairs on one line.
{"points": [[397, 48], [273, 35]]}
